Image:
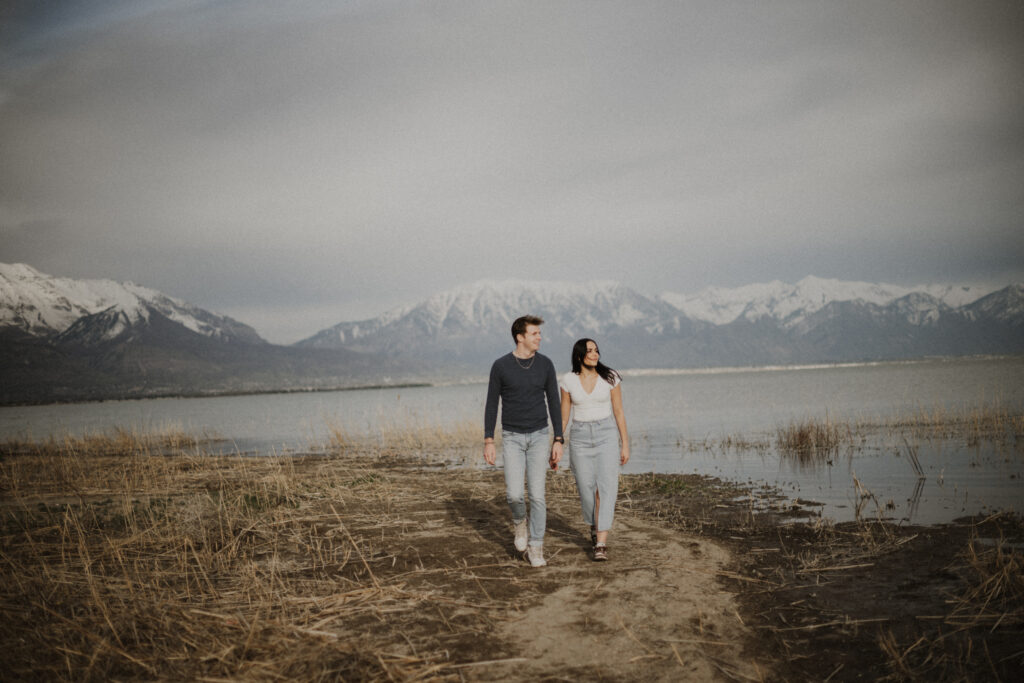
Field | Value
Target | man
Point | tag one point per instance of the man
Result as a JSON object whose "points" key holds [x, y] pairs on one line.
{"points": [[522, 380]]}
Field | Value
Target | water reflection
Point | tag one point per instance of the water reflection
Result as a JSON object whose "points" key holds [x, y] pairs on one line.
{"points": [[914, 500]]}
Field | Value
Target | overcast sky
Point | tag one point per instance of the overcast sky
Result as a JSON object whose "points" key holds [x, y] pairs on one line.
{"points": [[295, 164]]}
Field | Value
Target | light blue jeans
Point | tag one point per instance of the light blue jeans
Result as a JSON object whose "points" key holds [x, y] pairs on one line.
{"points": [[526, 455], [594, 460]]}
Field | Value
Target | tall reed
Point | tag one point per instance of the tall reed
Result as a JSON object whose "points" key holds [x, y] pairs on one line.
{"points": [[812, 439]]}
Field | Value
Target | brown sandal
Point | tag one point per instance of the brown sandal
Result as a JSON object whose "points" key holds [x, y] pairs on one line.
{"points": [[600, 552]]}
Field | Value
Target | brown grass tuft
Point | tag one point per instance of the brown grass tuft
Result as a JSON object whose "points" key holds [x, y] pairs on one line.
{"points": [[811, 440]]}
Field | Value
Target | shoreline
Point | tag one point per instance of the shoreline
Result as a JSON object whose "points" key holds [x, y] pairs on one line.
{"points": [[138, 560]]}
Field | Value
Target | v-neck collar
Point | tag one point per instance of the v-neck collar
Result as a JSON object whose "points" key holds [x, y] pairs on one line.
{"points": [[592, 389]]}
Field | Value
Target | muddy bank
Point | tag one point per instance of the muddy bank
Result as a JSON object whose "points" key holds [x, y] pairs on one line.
{"points": [[863, 600]]}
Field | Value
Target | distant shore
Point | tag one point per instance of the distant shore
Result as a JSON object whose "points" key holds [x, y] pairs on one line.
{"points": [[224, 393], [138, 395]]}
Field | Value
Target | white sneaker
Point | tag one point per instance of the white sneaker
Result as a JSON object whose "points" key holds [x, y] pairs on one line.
{"points": [[521, 535], [535, 554]]}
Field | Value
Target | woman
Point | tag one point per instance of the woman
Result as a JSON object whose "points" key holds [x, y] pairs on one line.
{"points": [[593, 393]]}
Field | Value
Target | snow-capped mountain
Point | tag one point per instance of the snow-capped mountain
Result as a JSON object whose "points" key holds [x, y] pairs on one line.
{"points": [[73, 340], [789, 304], [1006, 306], [95, 311], [814, 320], [485, 310]]}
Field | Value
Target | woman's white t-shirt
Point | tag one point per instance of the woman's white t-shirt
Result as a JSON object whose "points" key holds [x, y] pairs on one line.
{"points": [[596, 405]]}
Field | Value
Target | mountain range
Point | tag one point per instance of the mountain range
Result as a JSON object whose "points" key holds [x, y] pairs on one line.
{"points": [[73, 340], [815, 320], [64, 339]]}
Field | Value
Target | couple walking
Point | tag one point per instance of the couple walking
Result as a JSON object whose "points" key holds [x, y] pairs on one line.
{"points": [[525, 383]]}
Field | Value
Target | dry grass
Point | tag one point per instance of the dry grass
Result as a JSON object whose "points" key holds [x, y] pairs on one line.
{"points": [[994, 586], [974, 424], [128, 557], [425, 438]]}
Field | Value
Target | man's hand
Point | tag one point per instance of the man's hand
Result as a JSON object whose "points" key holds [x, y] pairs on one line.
{"points": [[556, 455], [490, 453]]}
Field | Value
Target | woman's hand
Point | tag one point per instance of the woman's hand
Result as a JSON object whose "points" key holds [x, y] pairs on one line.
{"points": [[624, 454], [556, 455]]}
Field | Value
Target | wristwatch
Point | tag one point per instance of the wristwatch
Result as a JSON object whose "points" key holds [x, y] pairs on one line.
{"points": [[560, 439]]}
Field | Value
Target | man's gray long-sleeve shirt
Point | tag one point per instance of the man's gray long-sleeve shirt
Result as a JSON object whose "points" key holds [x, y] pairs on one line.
{"points": [[522, 387]]}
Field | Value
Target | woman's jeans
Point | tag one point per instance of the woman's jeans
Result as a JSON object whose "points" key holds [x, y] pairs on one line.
{"points": [[527, 455], [594, 457]]}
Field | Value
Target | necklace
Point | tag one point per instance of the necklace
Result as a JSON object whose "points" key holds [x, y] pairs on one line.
{"points": [[528, 365]]}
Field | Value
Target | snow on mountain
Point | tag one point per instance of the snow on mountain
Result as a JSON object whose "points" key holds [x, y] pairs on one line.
{"points": [[956, 296], [491, 305], [789, 303], [609, 302], [599, 306], [1006, 306], [814, 320], [42, 305]]}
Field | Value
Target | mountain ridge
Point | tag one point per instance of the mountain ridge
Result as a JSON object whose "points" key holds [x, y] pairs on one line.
{"points": [[75, 340], [63, 339], [815, 320], [779, 299], [40, 305]]}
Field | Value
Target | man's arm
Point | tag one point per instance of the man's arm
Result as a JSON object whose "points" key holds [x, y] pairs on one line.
{"points": [[554, 402], [491, 404], [491, 413], [555, 411]]}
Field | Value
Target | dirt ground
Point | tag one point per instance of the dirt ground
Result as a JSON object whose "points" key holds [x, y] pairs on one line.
{"points": [[656, 611], [699, 587], [351, 568]]}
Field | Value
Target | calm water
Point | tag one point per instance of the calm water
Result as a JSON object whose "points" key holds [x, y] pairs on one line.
{"points": [[679, 421]]}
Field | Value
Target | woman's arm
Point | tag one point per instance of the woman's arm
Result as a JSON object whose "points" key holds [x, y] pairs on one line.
{"points": [[620, 420], [566, 407]]}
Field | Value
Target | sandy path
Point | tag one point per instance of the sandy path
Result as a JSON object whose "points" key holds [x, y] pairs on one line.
{"points": [[654, 611]]}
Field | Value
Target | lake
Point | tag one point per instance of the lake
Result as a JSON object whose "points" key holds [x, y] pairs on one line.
{"points": [[717, 422]]}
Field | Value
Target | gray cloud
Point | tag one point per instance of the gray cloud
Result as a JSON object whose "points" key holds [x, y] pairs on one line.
{"points": [[286, 162]]}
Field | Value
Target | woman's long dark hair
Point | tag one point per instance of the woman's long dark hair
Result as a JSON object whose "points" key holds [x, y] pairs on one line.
{"points": [[579, 352]]}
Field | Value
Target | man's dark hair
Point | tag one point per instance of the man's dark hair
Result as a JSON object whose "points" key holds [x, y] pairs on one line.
{"points": [[519, 326]]}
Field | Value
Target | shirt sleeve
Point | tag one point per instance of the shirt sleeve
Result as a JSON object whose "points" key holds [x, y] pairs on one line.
{"points": [[554, 402], [491, 405]]}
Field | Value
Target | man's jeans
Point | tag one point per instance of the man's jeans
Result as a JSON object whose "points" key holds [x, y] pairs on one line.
{"points": [[527, 455]]}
